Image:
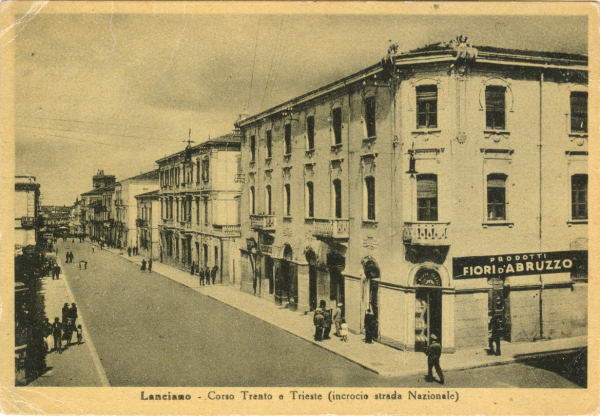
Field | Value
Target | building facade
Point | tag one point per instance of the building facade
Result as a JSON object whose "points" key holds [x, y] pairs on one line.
{"points": [[126, 205], [199, 206], [148, 210], [441, 189], [27, 204], [98, 208]]}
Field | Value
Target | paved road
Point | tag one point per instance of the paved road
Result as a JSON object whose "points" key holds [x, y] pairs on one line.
{"points": [[151, 331]]}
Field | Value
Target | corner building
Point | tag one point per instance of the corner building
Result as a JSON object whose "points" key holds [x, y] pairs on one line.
{"points": [[444, 189]]}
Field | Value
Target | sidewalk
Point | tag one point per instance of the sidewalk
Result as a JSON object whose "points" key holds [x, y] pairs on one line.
{"points": [[75, 366], [376, 357]]}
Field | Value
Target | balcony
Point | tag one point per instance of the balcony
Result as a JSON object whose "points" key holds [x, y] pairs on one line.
{"points": [[427, 233], [334, 228], [228, 230], [262, 222], [140, 222], [27, 222]]}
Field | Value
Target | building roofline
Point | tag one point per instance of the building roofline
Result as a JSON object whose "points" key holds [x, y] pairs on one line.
{"points": [[225, 139]]}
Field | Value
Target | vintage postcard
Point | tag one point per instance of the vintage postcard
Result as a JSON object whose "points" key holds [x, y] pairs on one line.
{"points": [[298, 208]]}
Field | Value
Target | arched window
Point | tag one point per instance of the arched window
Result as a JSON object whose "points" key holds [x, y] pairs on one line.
{"points": [[310, 202], [252, 204], [268, 199], [288, 199]]}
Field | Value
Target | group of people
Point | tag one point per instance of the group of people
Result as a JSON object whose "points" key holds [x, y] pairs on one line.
{"points": [[206, 273], [132, 251], [143, 266], [323, 319], [55, 272], [63, 330], [69, 257]]}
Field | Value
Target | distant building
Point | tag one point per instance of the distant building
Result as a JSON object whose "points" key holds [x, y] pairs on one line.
{"points": [[75, 220], [97, 208], [199, 200], [441, 189], [56, 219], [147, 221], [27, 202]]}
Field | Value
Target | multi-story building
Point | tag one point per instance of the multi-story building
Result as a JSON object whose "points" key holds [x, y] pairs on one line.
{"points": [[27, 202], [97, 208], [199, 206], [148, 209], [75, 220], [56, 219], [126, 205], [441, 189]]}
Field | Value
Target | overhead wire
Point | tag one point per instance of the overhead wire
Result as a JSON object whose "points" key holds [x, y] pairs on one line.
{"points": [[253, 64], [275, 51]]}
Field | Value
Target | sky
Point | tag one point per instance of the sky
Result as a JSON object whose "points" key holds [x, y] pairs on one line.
{"points": [[119, 91]]}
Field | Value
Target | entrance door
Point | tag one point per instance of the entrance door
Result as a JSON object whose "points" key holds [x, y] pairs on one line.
{"points": [[428, 316], [312, 287]]}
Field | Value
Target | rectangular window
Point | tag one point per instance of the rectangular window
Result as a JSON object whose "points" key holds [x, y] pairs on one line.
{"points": [[288, 199], [205, 203], [427, 200], [310, 201], [268, 199], [496, 197], [337, 198], [269, 143], [252, 148], [198, 211], [198, 171], [216, 255], [427, 106], [252, 204], [579, 111], [310, 133], [370, 117], [370, 197], [336, 121], [495, 118], [205, 170], [579, 197], [288, 139]]}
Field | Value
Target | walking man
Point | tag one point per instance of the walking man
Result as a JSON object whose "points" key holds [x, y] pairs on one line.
{"points": [[319, 322], [214, 272], [201, 276], [337, 319], [496, 332], [150, 265], [434, 351], [57, 335], [143, 268], [207, 275]]}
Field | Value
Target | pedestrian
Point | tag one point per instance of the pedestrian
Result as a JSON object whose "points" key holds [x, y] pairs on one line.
{"points": [[434, 351], [319, 322], [72, 256], [214, 272], [369, 324], [201, 276], [337, 318], [73, 314], [128, 251], [79, 334], [65, 312], [495, 333], [143, 268], [47, 331], [57, 271], [207, 275], [150, 265], [328, 321], [344, 331], [192, 268], [93, 248], [57, 335], [67, 257]]}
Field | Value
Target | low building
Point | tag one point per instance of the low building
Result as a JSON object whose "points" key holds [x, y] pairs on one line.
{"points": [[148, 239], [442, 189], [199, 199]]}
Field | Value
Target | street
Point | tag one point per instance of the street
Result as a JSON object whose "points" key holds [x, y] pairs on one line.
{"points": [[151, 331]]}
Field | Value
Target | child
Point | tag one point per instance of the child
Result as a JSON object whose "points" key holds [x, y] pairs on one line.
{"points": [[344, 331], [79, 334]]}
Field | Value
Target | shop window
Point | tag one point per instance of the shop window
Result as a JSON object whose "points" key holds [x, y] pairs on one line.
{"points": [[370, 117], [369, 198], [427, 198], [337, 198], [310, 133], [336, 122], [579, 197], [288, 139], [579, 101], [310, 202], [496, 197], [427, 106], [495, 107], [252, 148], [288, 199], [269, 142]]}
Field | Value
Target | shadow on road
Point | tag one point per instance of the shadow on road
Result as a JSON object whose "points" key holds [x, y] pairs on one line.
{"points": [[571, 365]]}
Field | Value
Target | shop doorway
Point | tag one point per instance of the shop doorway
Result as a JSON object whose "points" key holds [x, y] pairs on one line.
{"points": [[498, 307], [336, 263], [428, 308], [311, 258]]}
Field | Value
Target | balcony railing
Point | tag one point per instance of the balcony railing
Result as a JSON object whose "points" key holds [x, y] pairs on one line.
{"points": [[228, 230], [335, 228], [427, 233], [262, 222]]}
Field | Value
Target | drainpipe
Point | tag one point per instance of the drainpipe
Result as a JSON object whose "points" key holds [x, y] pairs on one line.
{"points": [[540, 205]]}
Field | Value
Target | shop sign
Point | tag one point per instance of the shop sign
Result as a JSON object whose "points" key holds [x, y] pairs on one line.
{"points": [[519, 264]]}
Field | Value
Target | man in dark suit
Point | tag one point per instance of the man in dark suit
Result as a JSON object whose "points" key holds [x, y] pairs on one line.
{"points": [[434, 351]]}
